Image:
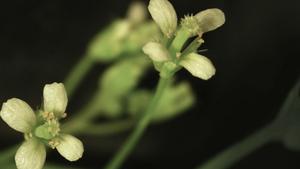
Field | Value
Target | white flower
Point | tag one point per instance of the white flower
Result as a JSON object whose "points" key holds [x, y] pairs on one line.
{"points": [[164, 14], [198, 65], [19, 116], [156, 51]]}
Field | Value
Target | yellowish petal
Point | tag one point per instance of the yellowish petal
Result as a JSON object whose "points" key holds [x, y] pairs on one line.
{"points": [[70, 147], [18, 115], [198, 65], [55, 99], [31, 155]]}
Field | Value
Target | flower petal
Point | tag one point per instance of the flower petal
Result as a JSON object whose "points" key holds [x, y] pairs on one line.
{"points": [[156, 51], [70, 147], [198, 65], [164, 14], [55, 99], [210, 19], [31, 155], [18, 115]]}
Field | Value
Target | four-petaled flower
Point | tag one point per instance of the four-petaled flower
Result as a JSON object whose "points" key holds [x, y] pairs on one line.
{"points": [[41, 128], [164, 14]]}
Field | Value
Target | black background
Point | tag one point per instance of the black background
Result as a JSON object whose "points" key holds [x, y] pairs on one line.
{"points": [[256, 54]]}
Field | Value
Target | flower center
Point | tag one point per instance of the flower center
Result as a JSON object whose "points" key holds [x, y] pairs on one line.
{"points": [[49, 129]]}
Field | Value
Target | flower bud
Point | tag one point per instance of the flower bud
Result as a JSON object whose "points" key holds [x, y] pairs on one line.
{"points": [[164, 14], [137, 12]]}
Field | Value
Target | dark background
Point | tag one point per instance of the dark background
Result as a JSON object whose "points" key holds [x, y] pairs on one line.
{"points": [[256, 54]]}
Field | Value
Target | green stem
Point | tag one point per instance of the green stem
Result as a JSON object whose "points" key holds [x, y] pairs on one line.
{"points": [[141, 126], [182, 36], [193, 47], [110, 128], [80, 121], [77, 74], [238, 151]]}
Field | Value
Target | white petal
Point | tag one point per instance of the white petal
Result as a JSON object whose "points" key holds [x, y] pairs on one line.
{"points": [[210, 19], [70, 147], [198, 65], [156, 51], [164, 14], [55, 99], [31, 155], [18, 115]]}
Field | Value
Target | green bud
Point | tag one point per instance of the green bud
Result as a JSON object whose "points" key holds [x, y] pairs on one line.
{"points": [[137, 13], [108, 44], [118, 81], [140, 36], [175, 100]]}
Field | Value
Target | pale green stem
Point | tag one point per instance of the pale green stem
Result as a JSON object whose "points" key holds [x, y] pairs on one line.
{"points": [[80, 121], [193, 47], [243, 148], [141, 126], [109, 128], [181, 37], [77, 74]]}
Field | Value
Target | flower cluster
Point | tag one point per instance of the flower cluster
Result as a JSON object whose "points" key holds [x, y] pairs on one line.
{"points": [[168, 54], [41, 128]]}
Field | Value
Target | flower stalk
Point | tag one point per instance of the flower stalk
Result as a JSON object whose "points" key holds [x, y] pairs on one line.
{"points": [[141, 126]]}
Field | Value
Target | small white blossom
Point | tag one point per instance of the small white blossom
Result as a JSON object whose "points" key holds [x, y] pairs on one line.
{"points": [[156, 51], [164, 14], [198, 65], [19, 116]]}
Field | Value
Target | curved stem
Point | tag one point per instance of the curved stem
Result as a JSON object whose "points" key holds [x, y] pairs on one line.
{"points": [[80, 121], [77, 74], [141, 126], [110, 128], [238, 151], [178, 42]]}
